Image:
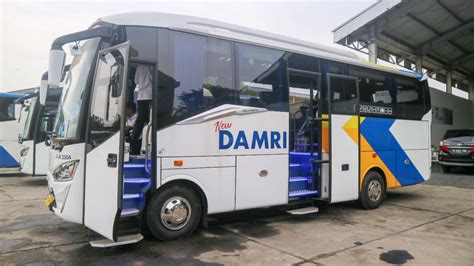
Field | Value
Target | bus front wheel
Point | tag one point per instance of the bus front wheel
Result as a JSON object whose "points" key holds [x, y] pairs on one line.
{"points": [[373, 191], [173, 212]]}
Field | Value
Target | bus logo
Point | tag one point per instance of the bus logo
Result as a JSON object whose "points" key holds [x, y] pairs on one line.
{"points": [[249, 140]]}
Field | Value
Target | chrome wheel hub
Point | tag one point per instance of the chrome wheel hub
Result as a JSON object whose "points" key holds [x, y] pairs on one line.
{"points": [[175, 213], [375, 190]]}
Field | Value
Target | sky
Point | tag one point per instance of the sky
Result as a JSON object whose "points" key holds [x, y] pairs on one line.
{"points": [[29, 27]]}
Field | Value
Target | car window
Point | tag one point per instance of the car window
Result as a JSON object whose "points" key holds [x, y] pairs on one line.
{"points": [[459, 133]]}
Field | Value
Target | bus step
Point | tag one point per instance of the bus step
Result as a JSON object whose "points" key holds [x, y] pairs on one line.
{"points": [[121, 240], [129, 212], [298, 179], [137, 159], [302, 157], [303, 211], [132, 201], [299, 183], [303, 193], [136, 185], [133, 170]]}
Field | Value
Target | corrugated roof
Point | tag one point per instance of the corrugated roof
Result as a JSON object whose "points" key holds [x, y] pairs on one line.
{"points": [[440, 30]]}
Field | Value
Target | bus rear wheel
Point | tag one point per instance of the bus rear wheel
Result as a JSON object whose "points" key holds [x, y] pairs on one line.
{"points": [[173, 212], [373, 191]]}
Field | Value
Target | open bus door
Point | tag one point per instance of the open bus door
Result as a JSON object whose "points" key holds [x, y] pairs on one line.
{"points": [[343, 134], [105, 142]]}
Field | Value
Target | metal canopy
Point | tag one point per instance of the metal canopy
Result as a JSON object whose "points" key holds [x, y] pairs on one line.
{"points": [[439, 32]]}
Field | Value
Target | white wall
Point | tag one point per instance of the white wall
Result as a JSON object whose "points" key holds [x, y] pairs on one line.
{"points": [[463, 113]]}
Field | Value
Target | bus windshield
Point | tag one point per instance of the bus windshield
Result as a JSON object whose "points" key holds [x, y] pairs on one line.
{"points": [[26, 119], [73, 92]]}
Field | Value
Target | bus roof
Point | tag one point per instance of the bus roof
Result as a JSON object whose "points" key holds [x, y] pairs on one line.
{"points": [[10, 95], [213, 28]]}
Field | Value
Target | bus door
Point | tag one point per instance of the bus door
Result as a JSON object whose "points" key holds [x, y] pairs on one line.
{"points": [[105, 142], [305, 134], [343, 136]]}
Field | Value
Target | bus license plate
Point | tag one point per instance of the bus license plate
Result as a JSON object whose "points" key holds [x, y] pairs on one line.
{"points": [[49, 201]]}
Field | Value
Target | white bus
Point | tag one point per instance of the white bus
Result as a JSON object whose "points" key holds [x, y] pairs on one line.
{"points": [[36, 120], [9, 128], [225, 133]]}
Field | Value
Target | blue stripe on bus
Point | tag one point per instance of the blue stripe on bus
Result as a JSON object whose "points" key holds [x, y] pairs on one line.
{"points": [[6, 160], [377, 133], [10, 95]]}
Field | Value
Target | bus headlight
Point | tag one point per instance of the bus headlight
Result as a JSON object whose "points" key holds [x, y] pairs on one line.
{"points": [[65, 172], [24, 151]]}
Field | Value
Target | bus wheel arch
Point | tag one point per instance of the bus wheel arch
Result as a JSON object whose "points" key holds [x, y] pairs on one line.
{"points": [[176, 209], [381, 172], [373, 189]]}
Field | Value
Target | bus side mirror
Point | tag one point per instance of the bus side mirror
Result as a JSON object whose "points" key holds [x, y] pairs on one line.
{"points": [[18, 108], [49, 136], [56, 65], [43, 91]]}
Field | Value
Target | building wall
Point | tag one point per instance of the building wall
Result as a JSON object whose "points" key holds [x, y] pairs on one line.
{"points": [[462, 114]]}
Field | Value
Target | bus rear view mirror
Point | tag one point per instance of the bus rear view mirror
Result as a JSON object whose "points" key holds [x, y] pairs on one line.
{"points": [[56, 65], [43, 90], [18, 108]]}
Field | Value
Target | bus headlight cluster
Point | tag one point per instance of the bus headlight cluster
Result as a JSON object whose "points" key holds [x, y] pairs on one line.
{"points": [[24, 151], [65, 172]]}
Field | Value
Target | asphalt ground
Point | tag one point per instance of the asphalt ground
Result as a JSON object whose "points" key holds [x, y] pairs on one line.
{"points": [[429, 224]]}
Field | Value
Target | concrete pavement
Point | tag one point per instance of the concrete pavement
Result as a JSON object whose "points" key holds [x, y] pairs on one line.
{"points": [[423, 224]]}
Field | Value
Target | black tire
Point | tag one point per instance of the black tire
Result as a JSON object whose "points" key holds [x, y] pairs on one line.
{"points": [[368, 198], [446, 169], [183, 195]]}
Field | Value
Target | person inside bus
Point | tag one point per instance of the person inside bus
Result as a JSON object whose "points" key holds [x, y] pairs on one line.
{"points": [[144, 85], [131, 116]]}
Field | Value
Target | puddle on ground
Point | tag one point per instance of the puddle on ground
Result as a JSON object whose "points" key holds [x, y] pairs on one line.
{"points": [[396, 257]]}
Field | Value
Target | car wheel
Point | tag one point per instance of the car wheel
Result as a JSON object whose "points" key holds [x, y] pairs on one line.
{"points": [[373, 191], [174, 212], [446, 169]]}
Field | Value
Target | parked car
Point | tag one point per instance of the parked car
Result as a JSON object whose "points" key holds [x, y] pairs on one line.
{"points": [[457, 149]]}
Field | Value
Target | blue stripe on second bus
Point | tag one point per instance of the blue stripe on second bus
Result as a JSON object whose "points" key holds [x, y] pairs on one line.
{"points": [[377, 133], [6, 160]]}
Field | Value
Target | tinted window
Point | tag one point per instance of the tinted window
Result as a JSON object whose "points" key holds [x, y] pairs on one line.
{"points": [[332, 67], [303, 62], [262, 77], [374, 86], [7, 109], [410, 103], [376, 91], [220, 83], [458, 133], [143, 42], [195, 74], [188, 59], [343, 95]]}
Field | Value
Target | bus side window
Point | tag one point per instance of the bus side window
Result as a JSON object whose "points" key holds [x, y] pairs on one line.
{"points": [[410, 103], [220, 80], [262, 77], [343, 95]]}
